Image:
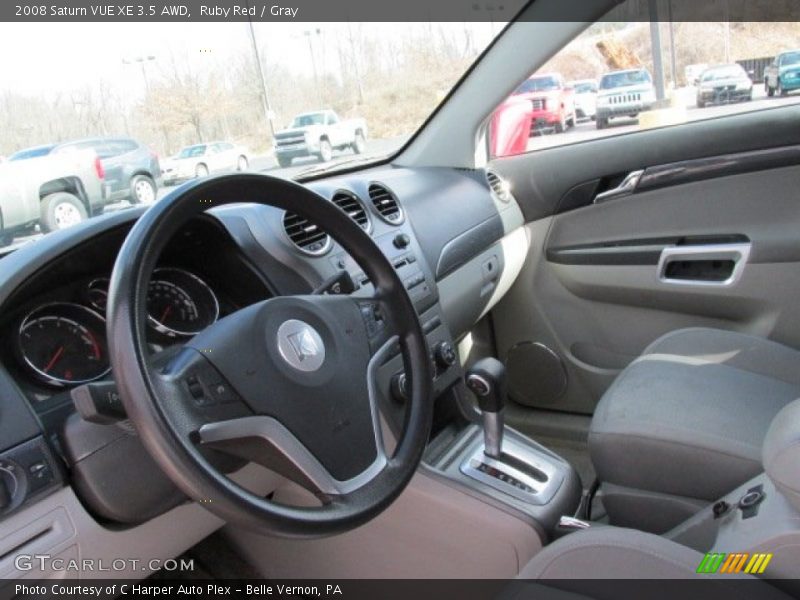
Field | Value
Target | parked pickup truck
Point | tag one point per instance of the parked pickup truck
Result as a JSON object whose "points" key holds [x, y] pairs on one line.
{"points": [[53, 190], [552, 103], [319, 134]]}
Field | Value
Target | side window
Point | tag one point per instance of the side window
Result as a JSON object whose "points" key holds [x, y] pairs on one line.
{"points": [[104, 150], [332, 119], [614, 79], [122, 146], [97, 146]]}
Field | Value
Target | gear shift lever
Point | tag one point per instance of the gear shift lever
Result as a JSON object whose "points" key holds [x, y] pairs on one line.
{"points": [[487, 380]]}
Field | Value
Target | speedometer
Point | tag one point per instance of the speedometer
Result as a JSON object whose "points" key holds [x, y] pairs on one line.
{"points": [[180, 303], [64, 344]]}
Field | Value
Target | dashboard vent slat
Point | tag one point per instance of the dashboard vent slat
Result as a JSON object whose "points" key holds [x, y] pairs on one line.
{"points": [[307, 236], [499, 186], [350, 204], [386, 204]]}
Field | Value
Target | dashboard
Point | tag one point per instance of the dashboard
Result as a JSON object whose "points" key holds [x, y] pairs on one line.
{"points": [[445, 231]]}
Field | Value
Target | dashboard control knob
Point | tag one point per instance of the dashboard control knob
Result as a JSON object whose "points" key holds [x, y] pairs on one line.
{"points": [[398, 387], [9, 485], [445, 354], [401, 240]]}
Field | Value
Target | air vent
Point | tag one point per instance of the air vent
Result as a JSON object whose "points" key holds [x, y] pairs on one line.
{"points": [[350, 204], [386, 204], [499, 186], [305, 235]]}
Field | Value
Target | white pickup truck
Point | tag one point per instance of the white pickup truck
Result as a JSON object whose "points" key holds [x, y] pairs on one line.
{"points": [[319, 134], [53, 190]]}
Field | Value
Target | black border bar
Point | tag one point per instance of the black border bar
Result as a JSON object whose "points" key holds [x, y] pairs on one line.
{"points": [[498, 11]]}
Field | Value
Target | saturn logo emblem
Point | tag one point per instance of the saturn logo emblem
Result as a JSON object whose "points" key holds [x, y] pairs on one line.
{"points": [[300, 345]]}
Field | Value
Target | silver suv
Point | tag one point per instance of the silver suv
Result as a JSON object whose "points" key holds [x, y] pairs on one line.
{"points": [[624, 94]]}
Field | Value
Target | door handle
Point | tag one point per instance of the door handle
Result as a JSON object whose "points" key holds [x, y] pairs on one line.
{"points": [[626, 186], [703, 264]]}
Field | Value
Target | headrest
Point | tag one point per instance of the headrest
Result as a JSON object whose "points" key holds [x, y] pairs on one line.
{"points": [[781, 452]]}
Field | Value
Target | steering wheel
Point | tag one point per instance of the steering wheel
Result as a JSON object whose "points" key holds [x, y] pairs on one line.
{"points": [[288, 382]]}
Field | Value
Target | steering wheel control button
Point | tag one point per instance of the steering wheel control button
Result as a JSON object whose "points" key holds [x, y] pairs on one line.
{"points": [[195, 389], [222, 393], [300, 345], [373, 318], [749, 503]]}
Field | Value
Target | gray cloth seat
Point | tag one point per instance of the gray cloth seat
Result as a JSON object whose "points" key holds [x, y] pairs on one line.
{"points": [[685, 422], [615, 553], [603, 552]]}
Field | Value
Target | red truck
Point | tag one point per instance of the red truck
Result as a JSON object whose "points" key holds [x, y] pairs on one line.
{"points": [[542, 104]]}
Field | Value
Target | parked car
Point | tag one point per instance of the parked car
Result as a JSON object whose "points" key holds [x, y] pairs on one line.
{"points": [[624, 93], [52, 190], [552, 103], [199, 160], [783, 75], [585, 91], [131, 168], [318, 134], [722, 84]]}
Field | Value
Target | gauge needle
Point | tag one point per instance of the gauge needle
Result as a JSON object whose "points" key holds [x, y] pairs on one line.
{"points": [[55, 358], [166, 313]]}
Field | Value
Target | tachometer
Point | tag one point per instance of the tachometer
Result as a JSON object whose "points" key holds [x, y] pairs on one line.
{"points": [[180, 303], [64, 344]]}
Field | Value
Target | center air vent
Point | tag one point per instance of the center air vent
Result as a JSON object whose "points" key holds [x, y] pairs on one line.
{"points": [[386, 204], [499, 186], [350, 204], [305, 235]]}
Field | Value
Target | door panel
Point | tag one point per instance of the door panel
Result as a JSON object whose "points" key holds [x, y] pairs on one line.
{"points": [[604, 280]]}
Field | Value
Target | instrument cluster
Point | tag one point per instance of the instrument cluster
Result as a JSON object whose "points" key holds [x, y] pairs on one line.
{"points": [[63, 344]]}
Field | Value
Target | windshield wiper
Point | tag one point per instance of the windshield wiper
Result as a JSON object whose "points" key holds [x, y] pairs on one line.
{"points": [[319, 170]]}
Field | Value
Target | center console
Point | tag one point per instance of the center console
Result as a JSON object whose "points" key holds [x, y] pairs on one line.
{"points": [[491, 462], [504, 465]]}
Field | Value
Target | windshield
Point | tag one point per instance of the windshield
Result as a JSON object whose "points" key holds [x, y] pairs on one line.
{"points": [[624, 79], [192, 151], [585, 87], [31, 153], [723, 73], [790, 58], [538, 84], [308, 120], [221, 93]]}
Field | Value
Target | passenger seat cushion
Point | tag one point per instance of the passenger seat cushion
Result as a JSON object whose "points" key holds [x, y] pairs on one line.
{"points": [[612, 553], [690, 415]]}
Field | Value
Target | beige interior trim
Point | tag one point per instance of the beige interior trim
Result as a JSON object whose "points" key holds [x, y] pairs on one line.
{"points": [[434, 530]]}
